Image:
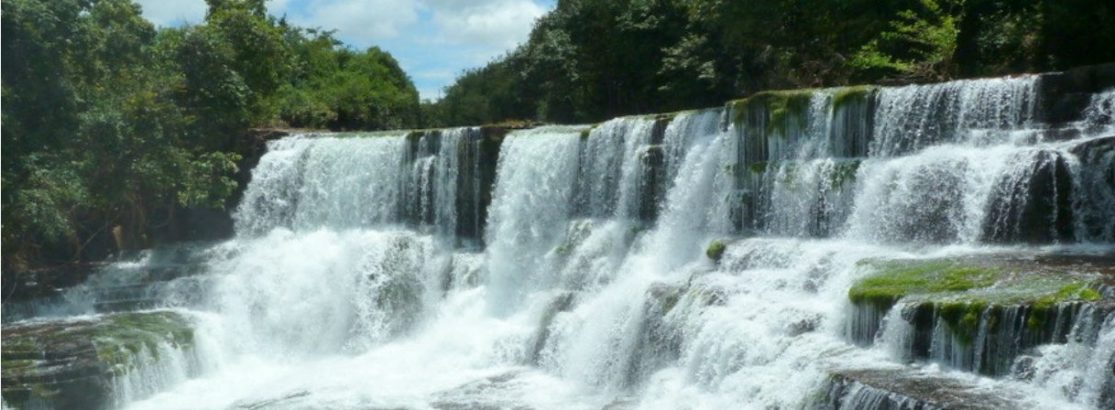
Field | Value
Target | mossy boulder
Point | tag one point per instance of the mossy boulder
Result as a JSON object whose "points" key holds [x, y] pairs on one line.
{"points": [[715, 250], [71, 363]]}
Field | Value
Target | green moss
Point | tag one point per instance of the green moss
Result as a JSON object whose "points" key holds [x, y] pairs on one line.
{"points": [[963, 318], [715, 250], [960, 291], [783, 108], [844, 172], [738, 108], [845, 95], [758, 167], [120, 337], [896, 279], [786, 109], [1038, 316], [585, 133], [108, 343]]}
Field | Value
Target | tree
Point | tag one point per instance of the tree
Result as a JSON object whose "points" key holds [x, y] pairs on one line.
{"points": [[111, 125], [919, 45]]}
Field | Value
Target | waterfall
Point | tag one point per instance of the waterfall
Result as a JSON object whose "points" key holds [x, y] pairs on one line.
{"points": [[306, 183], [699, 259], [914, 117], [530, 208]]}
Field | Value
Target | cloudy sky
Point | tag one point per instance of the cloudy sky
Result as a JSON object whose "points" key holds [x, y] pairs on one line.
{"points": [[434, 40]]}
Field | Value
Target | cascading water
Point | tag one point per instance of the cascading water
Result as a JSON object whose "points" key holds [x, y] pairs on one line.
{"points": [[571, 267]]}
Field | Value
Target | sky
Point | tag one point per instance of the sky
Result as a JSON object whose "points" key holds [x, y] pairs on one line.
{"points": [[433, 40]]}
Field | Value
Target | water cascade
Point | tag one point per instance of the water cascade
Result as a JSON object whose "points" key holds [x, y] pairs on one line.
{"points": [[928, 246]]}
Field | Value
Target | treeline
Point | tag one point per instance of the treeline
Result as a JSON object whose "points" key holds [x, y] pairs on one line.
{"points": [[590, 60], [110, 125]]}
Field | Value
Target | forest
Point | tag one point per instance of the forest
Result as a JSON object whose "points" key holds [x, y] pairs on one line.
{"points": [[590, 60], [111, 126]]}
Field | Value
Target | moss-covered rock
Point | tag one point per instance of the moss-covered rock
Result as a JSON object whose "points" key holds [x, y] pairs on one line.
{"points": [[772, 112], [843, 173], [893, 280], [71, 363], [715, 250], [976, 313], [973, 280], [845, 95]]}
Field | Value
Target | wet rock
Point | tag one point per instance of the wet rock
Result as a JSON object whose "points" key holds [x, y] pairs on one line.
{"points": [[476, 180], [1035, 206], [652, 186], [803, 326], [498, 392], [72, 363], [853, 121], [901, 389], [1063, 96], [1107, 394], [1096, 175], [560, 303]]}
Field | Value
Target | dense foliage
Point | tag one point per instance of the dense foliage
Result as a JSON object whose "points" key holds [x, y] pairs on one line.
{"points": [[594, 59], [110, 125]]}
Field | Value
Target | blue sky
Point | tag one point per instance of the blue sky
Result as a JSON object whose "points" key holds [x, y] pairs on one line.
{"points": [[434, 40]]}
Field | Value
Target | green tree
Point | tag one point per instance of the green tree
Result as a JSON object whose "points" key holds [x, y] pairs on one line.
{"points": [[920, 44]]}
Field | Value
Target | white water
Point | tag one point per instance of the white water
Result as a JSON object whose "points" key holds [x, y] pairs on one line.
{"points": [[332, 296]]}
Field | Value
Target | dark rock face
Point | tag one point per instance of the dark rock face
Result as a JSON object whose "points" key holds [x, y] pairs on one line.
{"points": [[476, 157], [1107, 397], [477, 180], [1097, 202], [1063, 96], [1033, 206], [652, 184], [72, 364]]}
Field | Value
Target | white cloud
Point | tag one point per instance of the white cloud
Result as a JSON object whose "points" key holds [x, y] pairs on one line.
{"points": [[360, 21], [172, 12], [495, 25], [433, 40]]}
